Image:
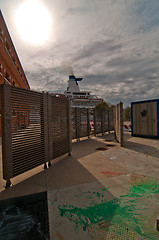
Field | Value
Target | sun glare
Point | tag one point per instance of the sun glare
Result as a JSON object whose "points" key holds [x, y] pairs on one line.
{"points": [[33, 22]]}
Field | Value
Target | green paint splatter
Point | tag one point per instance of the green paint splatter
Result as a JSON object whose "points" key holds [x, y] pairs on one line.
{"points": [[127, 210], [91, 214], [105, 189], [144, 189]]}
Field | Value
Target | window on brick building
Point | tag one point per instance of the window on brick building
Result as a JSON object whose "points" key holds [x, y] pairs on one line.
{"points": [[1, 69], [8, 48], [18, 70], [1, 34], [14, 61], [7, 78]]}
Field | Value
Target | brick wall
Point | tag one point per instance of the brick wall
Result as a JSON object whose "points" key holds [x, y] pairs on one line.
{"points": [[11, 71]]}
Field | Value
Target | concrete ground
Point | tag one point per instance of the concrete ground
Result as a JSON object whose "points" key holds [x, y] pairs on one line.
{"points": [[103, 191]]}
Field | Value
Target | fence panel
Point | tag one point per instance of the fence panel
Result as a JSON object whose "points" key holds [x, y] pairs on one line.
{"points": [[73, 117], [118, 122], [97, 121], [110, 120], [35, 129], [22, 111], [84, 123], [76, 123], [88, 121], [60, 129], [105, 120], [91, 121], [80, 122]]}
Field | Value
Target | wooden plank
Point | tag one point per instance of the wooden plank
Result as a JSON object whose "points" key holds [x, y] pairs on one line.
{"points": [[143, 119], [154, 118], [138, 129], [134, 119]]}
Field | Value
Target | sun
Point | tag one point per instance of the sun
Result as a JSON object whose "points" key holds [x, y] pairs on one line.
{"points": [[33, 22]]}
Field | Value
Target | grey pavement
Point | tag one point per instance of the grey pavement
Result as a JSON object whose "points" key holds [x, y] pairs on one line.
{"points": [[78, 187]]}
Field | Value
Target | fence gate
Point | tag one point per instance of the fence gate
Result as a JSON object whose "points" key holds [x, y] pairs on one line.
{"points": [[35, 129]]}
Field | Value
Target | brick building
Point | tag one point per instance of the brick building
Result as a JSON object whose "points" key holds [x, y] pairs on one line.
{"points": [[11, 71]]}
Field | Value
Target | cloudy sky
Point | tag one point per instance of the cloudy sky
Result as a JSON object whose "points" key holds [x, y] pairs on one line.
{"points": [[112, 44]]}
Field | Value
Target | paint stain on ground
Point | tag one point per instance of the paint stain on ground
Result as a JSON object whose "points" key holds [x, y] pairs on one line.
{"points": [[111, 173], [59, 236], [128, 211]]}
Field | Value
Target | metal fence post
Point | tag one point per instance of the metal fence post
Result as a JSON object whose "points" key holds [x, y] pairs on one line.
{"points": [[114, 113], [7, 157], [121, 123], [118, 123]]}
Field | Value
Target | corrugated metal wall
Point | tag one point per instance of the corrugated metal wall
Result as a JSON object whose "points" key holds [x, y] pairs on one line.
{"points": [[35, 129]]}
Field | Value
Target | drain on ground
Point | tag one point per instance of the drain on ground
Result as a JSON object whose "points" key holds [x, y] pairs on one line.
{"points": [[101, 148], [110, 145]]}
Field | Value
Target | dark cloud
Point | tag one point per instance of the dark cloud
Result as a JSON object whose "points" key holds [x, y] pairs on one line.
{"points": [[97, 48]]}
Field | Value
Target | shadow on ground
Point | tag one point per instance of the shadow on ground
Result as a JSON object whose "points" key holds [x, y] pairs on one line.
{"points": [[64, 172], [62, 181], [142, 148]]}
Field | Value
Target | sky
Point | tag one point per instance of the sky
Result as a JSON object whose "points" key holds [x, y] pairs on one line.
{"points": [[112, 44]]}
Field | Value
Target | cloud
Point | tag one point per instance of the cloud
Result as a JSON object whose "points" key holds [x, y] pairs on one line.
{"points": [[112, 44], [97, 48]]}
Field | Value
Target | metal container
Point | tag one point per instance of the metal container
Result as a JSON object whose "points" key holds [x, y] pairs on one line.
{"points": [[145, 118]]}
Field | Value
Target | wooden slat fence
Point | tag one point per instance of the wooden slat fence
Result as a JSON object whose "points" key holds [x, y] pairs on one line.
{"points": [[36, 128]]}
